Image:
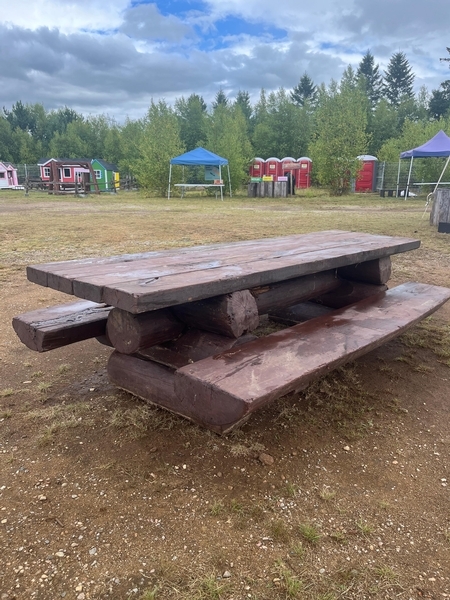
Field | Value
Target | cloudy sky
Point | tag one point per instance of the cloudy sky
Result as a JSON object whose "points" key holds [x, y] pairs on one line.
{"points": [[113, 56]]}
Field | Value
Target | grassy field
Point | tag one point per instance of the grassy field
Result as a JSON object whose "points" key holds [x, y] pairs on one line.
{"points": [[338, 492]]}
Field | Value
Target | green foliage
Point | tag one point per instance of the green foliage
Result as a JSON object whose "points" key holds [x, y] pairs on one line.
{"points": [[282, 128], [398, 79], [340, 136], [159, 142], [228, 137], [439, 105], [191, 115], [371, 77], [305, 92]]}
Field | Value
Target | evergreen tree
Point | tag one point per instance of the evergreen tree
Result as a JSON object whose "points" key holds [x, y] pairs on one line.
{"points": [[228, 137], [220, 99], [372, 78], [243, 101], [305, 92], [191, 115], [398, 79], [439, 105]]}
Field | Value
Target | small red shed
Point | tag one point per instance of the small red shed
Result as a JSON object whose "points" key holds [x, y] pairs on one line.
{"points": [[257, 167], [273, 167], [367, 175], [304, 172]]}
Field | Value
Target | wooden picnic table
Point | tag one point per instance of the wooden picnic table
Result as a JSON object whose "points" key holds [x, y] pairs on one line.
{"points": [[182, 321]]}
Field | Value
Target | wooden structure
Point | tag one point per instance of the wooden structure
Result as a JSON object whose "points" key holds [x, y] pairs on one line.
{"points": [[106, 174], [67, 176], [440, 210], [183, 321], [8, 177]]}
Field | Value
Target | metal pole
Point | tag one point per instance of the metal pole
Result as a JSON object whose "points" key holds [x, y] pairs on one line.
{"points": [[409, 177], [398, 176], [170, 177], [442, 174]]}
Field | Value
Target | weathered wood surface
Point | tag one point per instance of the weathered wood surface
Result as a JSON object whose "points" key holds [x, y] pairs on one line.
{"points": [[293, 291], [299, 313], [222, 391], [440, 209], [230, 314], [376, 271], [129, 333], [143, 378], [349, 292], [56, 326], [144, 282], [192, 346]]}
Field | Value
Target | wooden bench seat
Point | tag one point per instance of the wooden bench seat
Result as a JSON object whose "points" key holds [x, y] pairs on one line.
{"points": [[222, 391], [56, 326]]}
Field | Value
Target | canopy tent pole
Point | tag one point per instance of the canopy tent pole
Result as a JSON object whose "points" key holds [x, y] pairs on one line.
{"points": [[170, 177], [442, 174], [220, 179], [398, 176], [409, 177], [229, 178]]}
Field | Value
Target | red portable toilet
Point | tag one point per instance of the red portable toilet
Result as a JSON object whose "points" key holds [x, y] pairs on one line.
{"points": [[304, 172], [273, 167], [257, 167], [366, 177]]}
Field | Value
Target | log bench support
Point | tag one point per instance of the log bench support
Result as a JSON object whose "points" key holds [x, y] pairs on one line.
{"points": [[222, 391]]}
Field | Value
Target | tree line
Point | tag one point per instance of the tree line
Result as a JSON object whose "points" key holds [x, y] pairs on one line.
{"points": [[365, 112]]}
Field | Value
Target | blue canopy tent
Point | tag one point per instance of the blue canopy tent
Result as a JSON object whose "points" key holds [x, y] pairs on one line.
{"points": [[202, 157], [438, 146]]}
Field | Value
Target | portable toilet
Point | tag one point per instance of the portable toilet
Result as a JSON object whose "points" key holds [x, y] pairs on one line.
{"points": [[257, 167], [366, 177], [304, 172], [273, 167]]}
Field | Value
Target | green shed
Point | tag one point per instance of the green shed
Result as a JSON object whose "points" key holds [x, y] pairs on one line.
{"points": [[107, 175]]}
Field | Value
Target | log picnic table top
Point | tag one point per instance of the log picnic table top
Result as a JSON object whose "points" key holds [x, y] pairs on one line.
{"points": [[149, 281]]}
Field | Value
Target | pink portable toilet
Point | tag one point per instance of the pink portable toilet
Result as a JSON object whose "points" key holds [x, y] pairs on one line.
{"points": [[257, 167], [366, 177], [273, 167], [304, 172]]}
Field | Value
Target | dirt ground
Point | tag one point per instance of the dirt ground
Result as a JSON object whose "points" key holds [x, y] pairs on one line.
{"points": [[340, 492]]}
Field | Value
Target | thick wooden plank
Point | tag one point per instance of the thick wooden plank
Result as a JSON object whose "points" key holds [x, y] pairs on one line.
{"points": [[144, 295], [71, 269], [95, 279], [222, 391], [56, 326], [129, 333], [231, 314]]}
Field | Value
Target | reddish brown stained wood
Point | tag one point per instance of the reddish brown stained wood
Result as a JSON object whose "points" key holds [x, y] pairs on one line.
{"points": [[157, 280], [56, 326], [299, 313], [222, 391], [376, 271], [192, 346], [231, 314], [292, 291], [349, 292], [143, 378], [140, 296], [129, 333]]}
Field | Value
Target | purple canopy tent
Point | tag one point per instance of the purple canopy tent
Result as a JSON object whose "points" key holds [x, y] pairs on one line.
{"points": [[438, 146]]}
